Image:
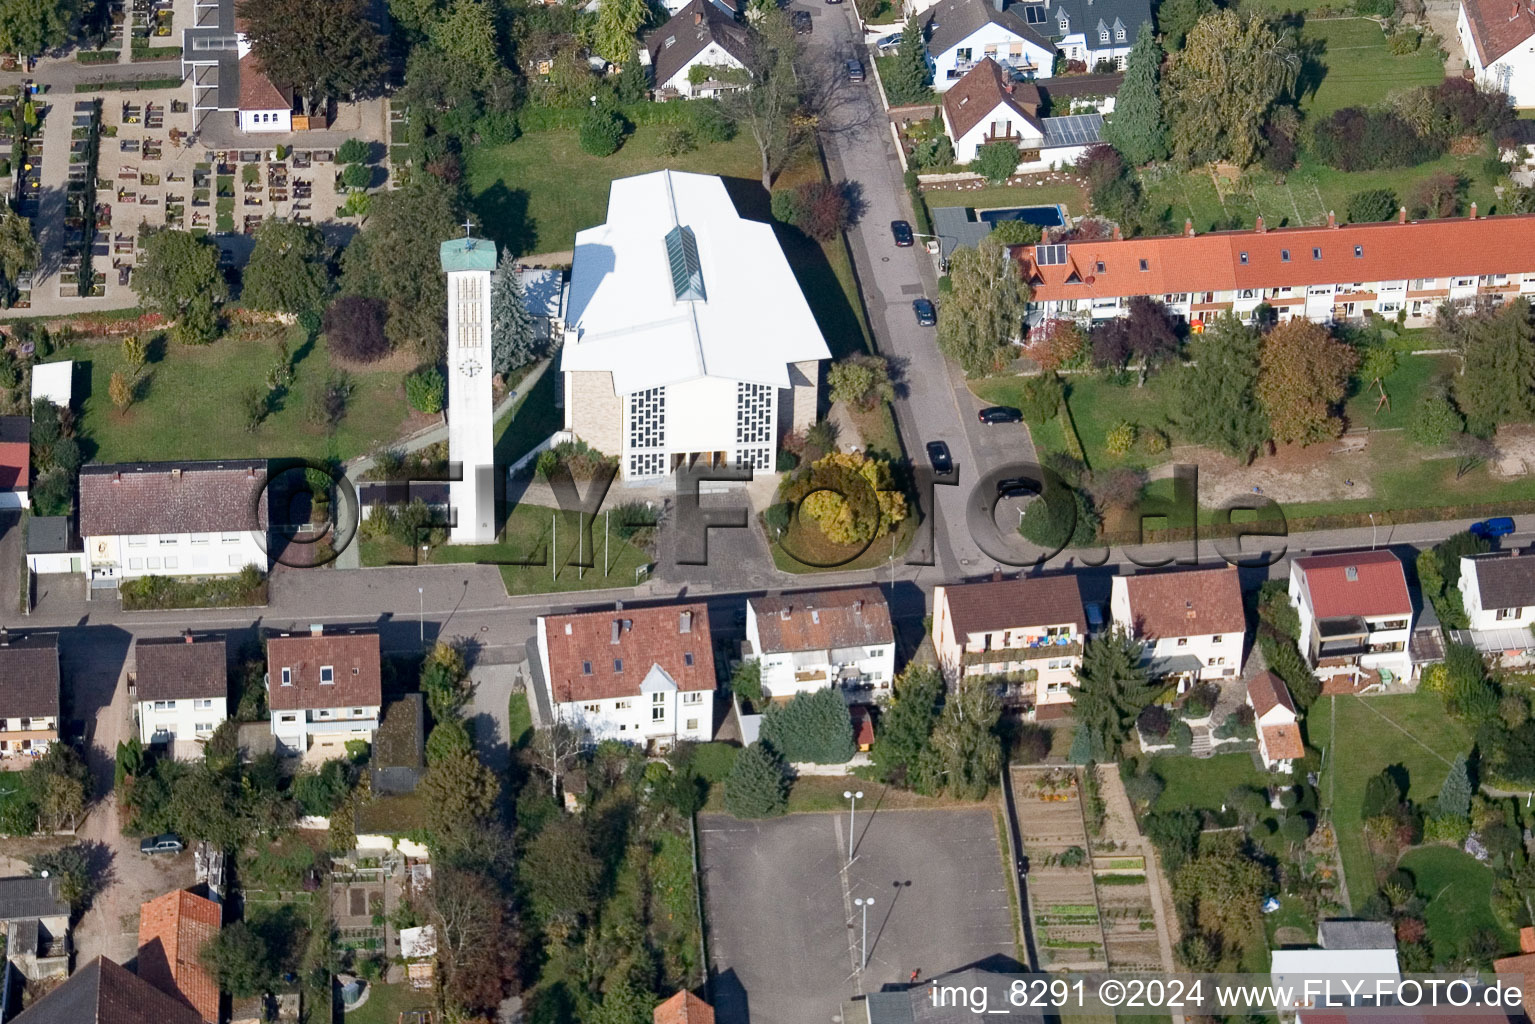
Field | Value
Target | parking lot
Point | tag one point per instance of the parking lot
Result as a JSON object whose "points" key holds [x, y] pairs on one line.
{"points": [[784, 934]]}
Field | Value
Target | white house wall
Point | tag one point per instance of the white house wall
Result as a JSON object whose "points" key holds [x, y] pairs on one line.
{"points": [[175, 554], [688, 715], [256, 122], [185, 719], [713, 55], [1514, 72], [1009, 50]]}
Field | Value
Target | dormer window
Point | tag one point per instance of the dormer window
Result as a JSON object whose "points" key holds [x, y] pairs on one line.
{"points": [[1119, 34], [1103, 35], [327, 674], [1065, 23]]}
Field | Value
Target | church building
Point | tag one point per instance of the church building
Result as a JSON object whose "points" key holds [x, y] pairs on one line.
{"points": [[469, 263], [687, 340]]}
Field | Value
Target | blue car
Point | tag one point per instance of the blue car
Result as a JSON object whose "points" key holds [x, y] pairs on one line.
{"points": [[1492, 529]]}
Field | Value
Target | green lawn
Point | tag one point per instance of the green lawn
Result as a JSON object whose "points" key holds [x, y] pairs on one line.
{"points": [[1402, 386], [1097, 406], [1459, 893], [1357, 67], [530, 422], [821, 555], [386, 1003], [1047, 193], [534, 194], [1203, 783], [1360, 737], [183, 385], [519, 721]]}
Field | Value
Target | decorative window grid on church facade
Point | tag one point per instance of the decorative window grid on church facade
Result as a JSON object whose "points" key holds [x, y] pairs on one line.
{"points": [[646, 433], [470, 324], [754, 425]]}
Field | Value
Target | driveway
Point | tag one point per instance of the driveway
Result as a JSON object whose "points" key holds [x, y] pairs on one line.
{"points": [[934, 404]]}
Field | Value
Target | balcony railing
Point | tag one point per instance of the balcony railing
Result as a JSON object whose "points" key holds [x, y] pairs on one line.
{"points": [[1003, 655]]}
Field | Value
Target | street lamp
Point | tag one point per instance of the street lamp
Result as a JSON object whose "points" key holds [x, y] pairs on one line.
{"points": [[848, 794], [421, 612], [1372, 531], [864, 904]]}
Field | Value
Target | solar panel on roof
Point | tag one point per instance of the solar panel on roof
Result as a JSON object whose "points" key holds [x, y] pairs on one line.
{"points": [[1073, 130], [1049, 255], [1034, 14]]}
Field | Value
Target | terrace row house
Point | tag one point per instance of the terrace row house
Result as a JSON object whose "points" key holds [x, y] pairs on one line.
{"points": [[29, 695]]}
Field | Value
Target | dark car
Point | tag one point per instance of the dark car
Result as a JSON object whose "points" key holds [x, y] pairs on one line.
{"points": [[927, 315], [1096, 619], [802, 23], [938, 455], [1491, 529], [1015, 487], [902, 232], [166, 843], [1000, 414], [854, 67]]}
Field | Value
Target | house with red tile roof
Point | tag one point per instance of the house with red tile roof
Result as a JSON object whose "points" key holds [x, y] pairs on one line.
{"points": [[1029, 632], [1279, 742], [684, 1008], [324, 688], [1333, 272], [1190, 620], [1498, 37], [264, 107], [641, 675], [810, 640], [15, 461], [1355, 618], [173, 929]]}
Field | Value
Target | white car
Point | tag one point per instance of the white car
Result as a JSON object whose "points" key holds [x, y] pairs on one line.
{"points": [[887, 45]]}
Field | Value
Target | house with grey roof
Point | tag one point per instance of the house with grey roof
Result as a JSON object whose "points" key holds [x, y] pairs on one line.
{"points": [[29, 694], [102, 992], [1099, 33], [173, 519], [225, 76], [181, 691], [35, 921], [962, 33], [52, 545], [701, 34], [1498, 591]]}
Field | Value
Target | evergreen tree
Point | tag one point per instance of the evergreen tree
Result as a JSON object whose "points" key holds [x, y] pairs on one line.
{"points": [[910, 77], [1497, 385], [813, 727], [907, 724], [1176, 18], [1113, 690], [964, 754], [1137, 128], [758, 784], [1217, 393], [513, 333], [1455, 794]]}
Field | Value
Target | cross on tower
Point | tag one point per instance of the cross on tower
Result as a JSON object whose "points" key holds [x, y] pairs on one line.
{"points": [[468, 227]]}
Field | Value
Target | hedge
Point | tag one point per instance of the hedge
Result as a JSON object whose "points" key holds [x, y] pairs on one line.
{"points": [[1338, 521], [547, 119], [129, 85], [246, 588]]}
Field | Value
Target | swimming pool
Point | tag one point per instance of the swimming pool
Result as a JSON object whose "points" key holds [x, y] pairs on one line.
{"points": [[1041, 216]]}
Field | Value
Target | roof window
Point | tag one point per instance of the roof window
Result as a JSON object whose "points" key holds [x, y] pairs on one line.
{"points": [[1284, 255], [1316, 253], [1243, 258], [1145, 266], [1358, 252]]}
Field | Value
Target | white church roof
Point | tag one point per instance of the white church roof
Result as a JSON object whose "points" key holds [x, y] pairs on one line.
{"points": [[676, 286]]}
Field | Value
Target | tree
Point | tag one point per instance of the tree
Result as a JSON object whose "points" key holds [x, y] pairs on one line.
{"points": [[476, 943], [460, 793], [860, 381], [134, 353], [424, 391], [1497, 382], [1177, 18], [1455, 795], [616, 28], [289, 269], [1302, 376], [1220, 86], [822, 208], [354, 328], [178, 277], [1217, 395], [18, 250], [1112, 689], [906, 725], [768, 106], [555, 750], [983, 316], [850, 496], [33, 27], [758, 784], [514, 337], [71, 865], [1150, 332], [1441, 194], [1434, 418], [466, 33], [995, 161], [120, 391], [1137, 128], [1222, 887], [394, 259], [813, 727], [964, 753], [1175, 834], [239, 960], [1060, 517], [910, 78], [1375, 204], [354, 151], [64, 787], [602, 131], [326, 49]]}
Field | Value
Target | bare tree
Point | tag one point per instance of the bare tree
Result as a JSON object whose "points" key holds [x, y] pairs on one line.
{"points": [[555, 749], [768, 103], [1471, 451]]}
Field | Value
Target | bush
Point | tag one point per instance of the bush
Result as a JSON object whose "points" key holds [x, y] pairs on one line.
{"points": [[355, 176], [1154, 721], [1060, 518], [354, 327], [785, 206], [1031, 744], [995, 161], [496, 128], [823, 208], [710, 123], [813, 727], [602, 131], [677, 141], [425, 390], [1406, 40], [353, 151], [1120, 439], [1371, 205], [1039, 398], [1356, 139], [1441, 194]]}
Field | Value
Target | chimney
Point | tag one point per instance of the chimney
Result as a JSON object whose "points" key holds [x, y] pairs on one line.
{"points": [[316, 629], [1514, 14], [685, 622], [698, 17], [815, 616], [117, 477], [187, 636], [1259, 226], [1009, 88], [1401, 215], [618, 625], [1000, 5], [5, 637], [618, 606], [1473, 210], [783, 614], [857, 607], [1188, 227], [1119, 236], [175, 472], [1332, 219], [250, 472]]}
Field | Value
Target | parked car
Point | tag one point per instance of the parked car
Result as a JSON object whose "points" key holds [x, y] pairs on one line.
{"points": [[927, 315], [1015, 487], [1000, 414], [854, 67], [938, 455], [902, 232], [1492, 529], [1095, 616], [802, 23], [888, 44], [166, 843]]}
